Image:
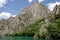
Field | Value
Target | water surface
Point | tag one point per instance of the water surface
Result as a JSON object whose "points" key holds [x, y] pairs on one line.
{"points": [[20, 38]]}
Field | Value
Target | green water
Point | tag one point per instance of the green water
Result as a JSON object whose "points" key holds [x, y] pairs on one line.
{"points": [[19, 38]]}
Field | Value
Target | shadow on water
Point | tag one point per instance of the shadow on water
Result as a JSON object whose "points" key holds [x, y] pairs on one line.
{"points": [[20, 38]]}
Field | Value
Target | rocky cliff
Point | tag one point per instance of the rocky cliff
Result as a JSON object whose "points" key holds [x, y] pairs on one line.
{"points": [[27, 16], [56, 11], [33, 20]]}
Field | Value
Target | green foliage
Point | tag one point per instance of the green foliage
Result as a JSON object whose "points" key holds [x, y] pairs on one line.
{"points": [[13, 33], [57, 16], [0, 28], [54, 28], [32, 29]]}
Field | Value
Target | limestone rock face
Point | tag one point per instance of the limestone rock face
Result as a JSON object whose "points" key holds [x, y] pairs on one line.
{"points": [[56, 9], [26, 17]]}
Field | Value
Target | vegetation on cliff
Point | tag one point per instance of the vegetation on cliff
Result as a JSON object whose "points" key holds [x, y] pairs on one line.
{"points": [[36, 20]]}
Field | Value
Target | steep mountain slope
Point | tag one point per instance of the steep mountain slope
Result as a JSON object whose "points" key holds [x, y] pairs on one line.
{"points": [[54, 27], [33, 13], [35, 20], [56, 11], [27, 16]]}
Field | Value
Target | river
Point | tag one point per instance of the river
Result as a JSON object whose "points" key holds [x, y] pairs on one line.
{"points": [[20, 38]]}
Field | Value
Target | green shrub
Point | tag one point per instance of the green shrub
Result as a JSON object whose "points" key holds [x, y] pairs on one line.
{"points": [[54, 28]]}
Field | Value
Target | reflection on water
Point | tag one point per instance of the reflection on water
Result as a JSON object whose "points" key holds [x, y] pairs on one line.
{"points": [[19, 38]]}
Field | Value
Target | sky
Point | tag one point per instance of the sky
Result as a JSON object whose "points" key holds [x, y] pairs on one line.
{"points": [[12, 8]]}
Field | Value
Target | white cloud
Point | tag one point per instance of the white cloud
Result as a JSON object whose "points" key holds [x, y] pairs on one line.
{"points": [[52, 5], [2, 2], [6, 15], [13, 15], [40, 1], [30, 1], [36, 0]]}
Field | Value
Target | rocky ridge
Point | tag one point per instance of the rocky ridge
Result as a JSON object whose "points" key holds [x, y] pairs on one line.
{"points": [[35, 16]]}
